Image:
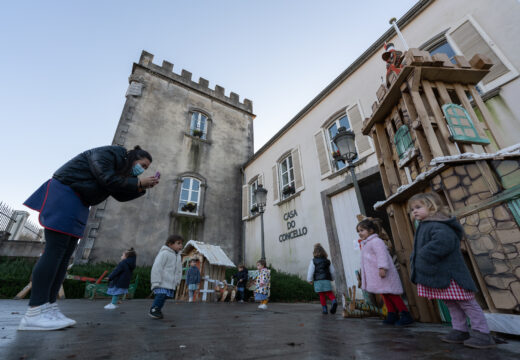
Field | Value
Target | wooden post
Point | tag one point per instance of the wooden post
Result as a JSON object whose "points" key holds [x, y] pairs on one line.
{"points": [[422, 114], [476, 122], [439, 118], [384, 177], [393, 180], [407, 103], [486, 115]]}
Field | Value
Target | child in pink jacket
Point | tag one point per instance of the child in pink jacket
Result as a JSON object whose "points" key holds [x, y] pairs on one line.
{"points": [[379, 275]]}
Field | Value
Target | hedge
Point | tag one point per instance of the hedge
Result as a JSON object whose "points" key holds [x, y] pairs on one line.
{"points": [[15, 274]]}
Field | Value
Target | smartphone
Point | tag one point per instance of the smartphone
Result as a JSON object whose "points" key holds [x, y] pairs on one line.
{"points": [[157, 175]]}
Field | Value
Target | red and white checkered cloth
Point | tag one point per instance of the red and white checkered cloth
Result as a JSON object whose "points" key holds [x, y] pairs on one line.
{"points": [[452, 292]]}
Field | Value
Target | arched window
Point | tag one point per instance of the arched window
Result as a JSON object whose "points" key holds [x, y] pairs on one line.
{"points": [[199, 125], [461, 126], [403, 141], [189, 200]]}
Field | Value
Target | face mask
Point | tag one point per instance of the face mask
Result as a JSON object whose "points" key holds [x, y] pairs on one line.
{"points": [[137, 169]]}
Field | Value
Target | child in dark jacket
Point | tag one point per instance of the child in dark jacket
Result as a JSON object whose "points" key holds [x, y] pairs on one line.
{"points": [[439, 270], [119, 278], [242, 277], [321, 274], [192, 279]]}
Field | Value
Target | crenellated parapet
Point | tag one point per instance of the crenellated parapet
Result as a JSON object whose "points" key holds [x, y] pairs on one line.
{"points": [[202, 86]]}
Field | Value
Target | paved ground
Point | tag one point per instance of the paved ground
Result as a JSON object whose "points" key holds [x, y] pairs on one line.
{"points": [[225, 331]]}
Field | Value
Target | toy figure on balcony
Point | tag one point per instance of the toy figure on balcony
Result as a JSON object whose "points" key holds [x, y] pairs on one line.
{"points": [[394, 62]]}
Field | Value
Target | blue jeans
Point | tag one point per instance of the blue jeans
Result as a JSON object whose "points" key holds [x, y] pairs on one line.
{"points": [[240, 293], [158, 301]]}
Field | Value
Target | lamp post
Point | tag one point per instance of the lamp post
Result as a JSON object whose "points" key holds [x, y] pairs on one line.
{"points": [[261, 197], [344, 140]]}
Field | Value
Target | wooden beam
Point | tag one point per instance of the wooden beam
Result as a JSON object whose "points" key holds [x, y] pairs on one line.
{"points": [[476, 122], [407, 105], [433, 142], [382, 169], [486, 115], [386, 152], [443, 92], [439, 117]]}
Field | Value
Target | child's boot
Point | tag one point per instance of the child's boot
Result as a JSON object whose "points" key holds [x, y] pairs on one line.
{"points": [[455, 337], [324, 311], [156, 313], [391, 318], [334, 306], [479, 340], [405, 319]]}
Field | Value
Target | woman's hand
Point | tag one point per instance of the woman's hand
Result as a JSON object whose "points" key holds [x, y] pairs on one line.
{"points": [[382, 272], [148, 182]]}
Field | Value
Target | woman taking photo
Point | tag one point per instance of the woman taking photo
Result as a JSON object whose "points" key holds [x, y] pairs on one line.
{"points": [[63, 203]]}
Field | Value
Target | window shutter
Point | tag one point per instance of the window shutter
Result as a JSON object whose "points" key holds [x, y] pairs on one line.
{"points": [[297, 170], [356, 121], [275, 183], [323, 153], [245, 202], [471, 42]]}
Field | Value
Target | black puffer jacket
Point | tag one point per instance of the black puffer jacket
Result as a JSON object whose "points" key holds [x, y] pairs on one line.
{"points": [[242, 278], [93, 175], [122, 274], [321, 269], [436, 256]]}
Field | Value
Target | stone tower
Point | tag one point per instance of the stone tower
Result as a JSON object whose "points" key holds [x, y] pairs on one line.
{"points": [[199, 138]]}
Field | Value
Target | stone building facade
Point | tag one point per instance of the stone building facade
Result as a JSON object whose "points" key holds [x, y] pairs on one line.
{"points": [[199, 138]]}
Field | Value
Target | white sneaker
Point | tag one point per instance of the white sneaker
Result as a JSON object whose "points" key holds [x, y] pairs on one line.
{"points": [[57, 313], [40, 318], [111, 306], [262, 306]]}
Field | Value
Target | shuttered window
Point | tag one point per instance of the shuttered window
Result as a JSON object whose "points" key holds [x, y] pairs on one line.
{"points": [[356, 121], [471, 40], [323, 154]]}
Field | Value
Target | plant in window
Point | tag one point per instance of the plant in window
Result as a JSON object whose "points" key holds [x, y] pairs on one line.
{"points": [[197, 133], [254, 209], [189, 207], [288, 190]]}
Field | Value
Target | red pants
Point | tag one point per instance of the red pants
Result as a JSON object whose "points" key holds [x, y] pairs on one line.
{"points": [[394, 303], [323, 297]]}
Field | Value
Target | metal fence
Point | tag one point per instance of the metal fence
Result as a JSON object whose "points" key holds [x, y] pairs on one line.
{"points": [[6, 216], [30, 230]]}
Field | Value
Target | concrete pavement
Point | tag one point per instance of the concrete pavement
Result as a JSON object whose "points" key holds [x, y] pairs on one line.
{"points": [[225, 331]]}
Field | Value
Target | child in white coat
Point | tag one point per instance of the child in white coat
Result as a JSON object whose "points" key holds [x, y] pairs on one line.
{"points": [[166, 273]]}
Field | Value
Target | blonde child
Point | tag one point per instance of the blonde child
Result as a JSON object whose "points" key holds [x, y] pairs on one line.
{"points": [[321, 274], [438, 269], [263, 284], [379, 275], [166, 273], [119, 278]]}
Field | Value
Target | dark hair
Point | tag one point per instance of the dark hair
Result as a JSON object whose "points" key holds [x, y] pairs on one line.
{"points": [[131, 156], [172, 239], [319, 251], [261, 262], [130, 253], [241, 266], [369, 224]]}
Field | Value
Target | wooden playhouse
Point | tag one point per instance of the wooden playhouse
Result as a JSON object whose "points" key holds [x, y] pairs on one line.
{"points": [[212, 263]]}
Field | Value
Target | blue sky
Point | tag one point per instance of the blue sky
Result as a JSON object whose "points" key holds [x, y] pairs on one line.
{"points": [[65, 65]]}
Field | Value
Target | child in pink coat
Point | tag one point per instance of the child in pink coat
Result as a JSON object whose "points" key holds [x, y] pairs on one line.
{"points": [[379, 275]]}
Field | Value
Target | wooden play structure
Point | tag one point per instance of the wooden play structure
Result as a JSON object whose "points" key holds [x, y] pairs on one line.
{"points": [[212, 263], [428, 137]]}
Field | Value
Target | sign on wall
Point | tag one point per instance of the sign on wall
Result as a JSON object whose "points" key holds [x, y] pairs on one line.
{"points": [[293, 231]]}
